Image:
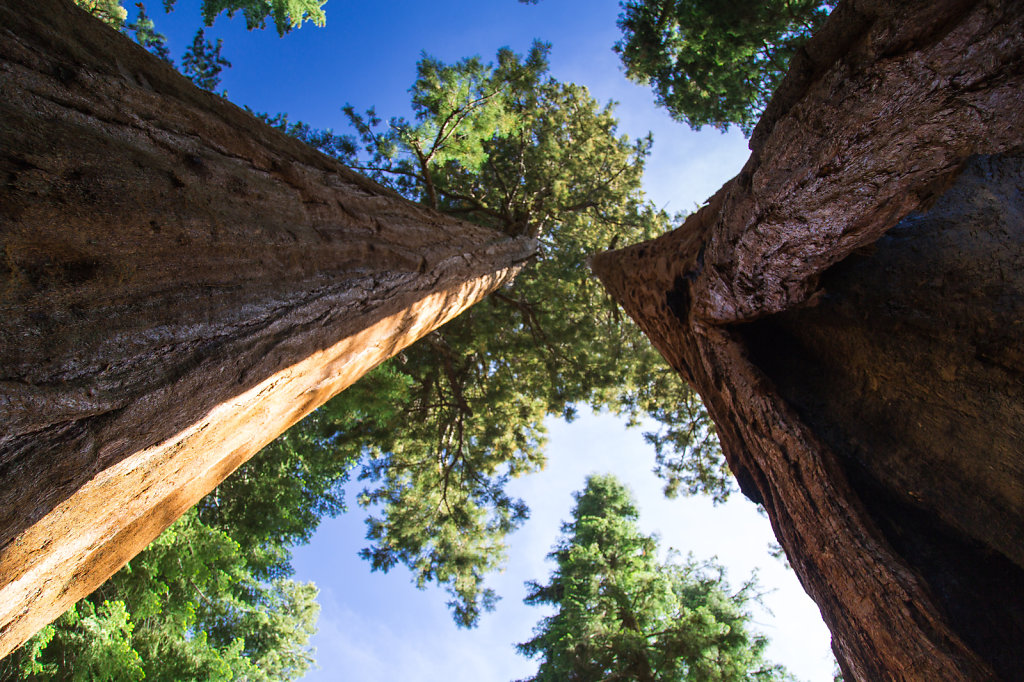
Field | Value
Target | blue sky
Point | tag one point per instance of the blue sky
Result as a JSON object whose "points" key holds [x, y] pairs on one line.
{"points": [[379, 627]]}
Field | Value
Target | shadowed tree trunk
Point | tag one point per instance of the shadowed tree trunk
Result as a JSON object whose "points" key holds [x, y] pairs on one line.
{"points": [[850, 308], [180, 284]]}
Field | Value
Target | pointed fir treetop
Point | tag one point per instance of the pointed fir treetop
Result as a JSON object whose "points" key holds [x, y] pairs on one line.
{"points": [[623, 614]]}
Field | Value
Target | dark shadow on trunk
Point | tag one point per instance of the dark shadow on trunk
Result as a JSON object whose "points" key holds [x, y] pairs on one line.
{"points": [[910, 365]]}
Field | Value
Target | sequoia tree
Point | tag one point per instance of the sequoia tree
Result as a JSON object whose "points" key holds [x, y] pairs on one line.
{"points": [[180, 284], [849, 308]]}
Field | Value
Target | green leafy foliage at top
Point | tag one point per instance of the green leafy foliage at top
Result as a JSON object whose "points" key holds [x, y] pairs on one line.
{"points": [[624, 615], [715, 62], [506, 146], [202, 62], [286, 14], [109, 12]]}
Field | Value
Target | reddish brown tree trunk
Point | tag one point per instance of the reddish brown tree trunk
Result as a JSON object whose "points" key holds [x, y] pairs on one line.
{"points": [[862, 362], [180, 284]]}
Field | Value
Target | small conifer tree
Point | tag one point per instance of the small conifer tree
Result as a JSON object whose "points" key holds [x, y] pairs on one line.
{"points": [[622, 614]]}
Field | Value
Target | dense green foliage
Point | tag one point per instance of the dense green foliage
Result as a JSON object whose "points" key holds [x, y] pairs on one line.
{"points": [[109, 12], [712, 62], [202, 62], [506, 146], [624, 615], [287, 14]]}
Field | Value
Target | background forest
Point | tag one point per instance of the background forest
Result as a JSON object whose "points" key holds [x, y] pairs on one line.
{"points": [[431, 444]]}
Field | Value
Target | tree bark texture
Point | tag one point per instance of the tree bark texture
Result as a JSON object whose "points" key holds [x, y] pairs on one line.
{"points": [[850, 308], [180, 283]]}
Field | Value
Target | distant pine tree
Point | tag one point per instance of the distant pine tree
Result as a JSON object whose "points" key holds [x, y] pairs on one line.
{"points": [[202, 62], [624, 615]]}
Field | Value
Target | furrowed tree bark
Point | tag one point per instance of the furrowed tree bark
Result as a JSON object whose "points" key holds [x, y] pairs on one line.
{"points": [[849, 307], [180, 283]]}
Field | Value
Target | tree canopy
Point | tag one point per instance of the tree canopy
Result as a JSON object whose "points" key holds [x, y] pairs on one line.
{"points": [[712, 62], [622, 614], [507, 146], [286, 14]]}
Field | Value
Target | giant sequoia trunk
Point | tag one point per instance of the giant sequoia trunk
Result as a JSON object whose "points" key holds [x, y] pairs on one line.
{"points": [[850, 308], [180, 284]]}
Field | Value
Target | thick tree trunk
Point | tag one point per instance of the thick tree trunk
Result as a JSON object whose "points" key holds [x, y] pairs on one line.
{"points": [[180, 284], [862, 362]]}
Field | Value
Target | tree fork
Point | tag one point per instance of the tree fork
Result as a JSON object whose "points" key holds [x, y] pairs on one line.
{"points": [[180, 284], [849, 309]]}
